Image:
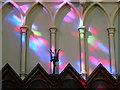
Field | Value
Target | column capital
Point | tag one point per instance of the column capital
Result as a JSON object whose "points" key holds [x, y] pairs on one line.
{"points": [[23, 28], [53, 30], [111, 30], [82, 30]]}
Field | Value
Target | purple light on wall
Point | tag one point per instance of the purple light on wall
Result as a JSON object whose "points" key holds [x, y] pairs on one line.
{"points": [[94, 60], [70, 16], [67, 19]]}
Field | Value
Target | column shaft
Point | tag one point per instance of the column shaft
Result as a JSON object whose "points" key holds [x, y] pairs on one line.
{"points": [[113, 67], [23, 61], [83, 61]]}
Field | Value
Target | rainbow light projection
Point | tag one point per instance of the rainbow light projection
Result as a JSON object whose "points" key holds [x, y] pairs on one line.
{"points": [[38, 44], [70, 19], [96, 45]]}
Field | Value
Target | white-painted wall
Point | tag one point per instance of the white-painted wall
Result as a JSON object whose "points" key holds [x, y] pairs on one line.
{"points": [[66, 39]]}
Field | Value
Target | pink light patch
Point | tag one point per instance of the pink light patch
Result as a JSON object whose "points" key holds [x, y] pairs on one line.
{"points": [[17, 29], [75, 34], [106, 63], [71, 14], [61, 53], [24, 8], [67, 19], [14, 4], [92, 30], [91, 49], [94, 60], [82, 56]]}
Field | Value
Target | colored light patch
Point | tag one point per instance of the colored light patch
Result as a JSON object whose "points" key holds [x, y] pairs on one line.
{"points": [[59, 6], [90, 70], [83, 67], [80, 23], [77, 66], [15, 20], [94, 60], [17, 29], [71, 14], [61, 53], [43, 40], [33, 46], [67, 19], [102, 47], [53, 48], [75, 34], [61, 67], [34, 27], [38, 45], [81, 36], [37, 33], [23, 39], [18, 34], [60, 63], [66, 0], [14, 4], [91, 40], [82, 56], [91, 49], [106, 63], [92, 30], [25, 8]]}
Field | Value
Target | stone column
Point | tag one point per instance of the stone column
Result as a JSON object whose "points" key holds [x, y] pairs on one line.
{"points": [[53, 47], [23, 61], [113, 69], [83, 43]]}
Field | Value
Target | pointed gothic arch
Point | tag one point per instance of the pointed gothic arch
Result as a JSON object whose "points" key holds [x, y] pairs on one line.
{"points": [[91, 7], [33, 6]]}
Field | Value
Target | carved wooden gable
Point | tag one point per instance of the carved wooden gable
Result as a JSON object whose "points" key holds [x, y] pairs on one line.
{"points": [[70, 78], [38, 78], [100, 78], [10, 78]]}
